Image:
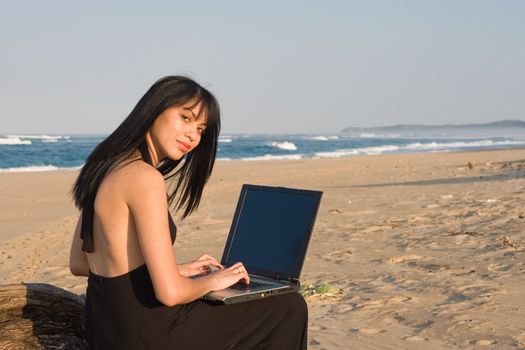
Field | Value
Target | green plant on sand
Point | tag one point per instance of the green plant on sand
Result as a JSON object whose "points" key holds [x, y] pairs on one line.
{"points": [[323, 289]]}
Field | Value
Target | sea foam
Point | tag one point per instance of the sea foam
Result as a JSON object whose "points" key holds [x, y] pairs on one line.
{"points": [[14, 140], [288, 146], [30, 168], [414, 147], [275, 157], [41, 137], [459, 144]]}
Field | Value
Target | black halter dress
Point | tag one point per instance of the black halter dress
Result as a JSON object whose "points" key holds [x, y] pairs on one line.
{"points": [[122, 312]]}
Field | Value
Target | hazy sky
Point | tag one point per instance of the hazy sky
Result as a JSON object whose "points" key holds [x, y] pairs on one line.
{"points": [[275, 66]]}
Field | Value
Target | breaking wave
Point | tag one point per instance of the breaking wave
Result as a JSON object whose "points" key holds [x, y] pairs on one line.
{"points": [[287, 146]]}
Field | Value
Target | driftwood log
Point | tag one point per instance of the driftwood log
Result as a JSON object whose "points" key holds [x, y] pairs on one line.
{"points": [[40, 316]]}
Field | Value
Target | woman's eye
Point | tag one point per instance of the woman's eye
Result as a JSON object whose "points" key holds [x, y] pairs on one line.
{"points": [[185, 118], [200, 130]]}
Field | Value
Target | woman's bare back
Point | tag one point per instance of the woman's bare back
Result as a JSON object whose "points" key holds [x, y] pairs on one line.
{"points": [[114, 232]]}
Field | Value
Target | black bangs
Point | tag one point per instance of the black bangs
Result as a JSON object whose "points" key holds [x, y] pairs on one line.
{"points": [[209, 107], [212, 109]]}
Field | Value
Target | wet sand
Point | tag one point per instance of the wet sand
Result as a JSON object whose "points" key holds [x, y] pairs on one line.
{"points": [[422, 250]]}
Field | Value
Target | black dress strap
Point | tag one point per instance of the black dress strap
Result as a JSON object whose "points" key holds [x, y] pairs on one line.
{"points": [[86, 232], [87, 241]]}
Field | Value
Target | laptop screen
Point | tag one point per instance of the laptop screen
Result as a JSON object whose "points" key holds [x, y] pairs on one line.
{"points": [[271, 230]]}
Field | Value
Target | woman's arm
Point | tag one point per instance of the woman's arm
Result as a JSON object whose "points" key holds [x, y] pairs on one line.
{"points": [[145, 195], [78, 264]]}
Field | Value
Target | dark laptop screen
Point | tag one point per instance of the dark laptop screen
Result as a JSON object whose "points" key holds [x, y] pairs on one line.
{"points": [[271, 229]]}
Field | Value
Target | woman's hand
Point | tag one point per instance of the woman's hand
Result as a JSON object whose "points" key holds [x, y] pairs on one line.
{"points": [[229, 276], [202, 265]]}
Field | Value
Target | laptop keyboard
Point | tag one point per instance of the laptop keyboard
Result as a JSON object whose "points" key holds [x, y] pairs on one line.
{"points": [[243, 286]]}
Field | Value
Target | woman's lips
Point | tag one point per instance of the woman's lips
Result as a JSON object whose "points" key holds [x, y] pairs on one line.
{"points": [[184, 145]]}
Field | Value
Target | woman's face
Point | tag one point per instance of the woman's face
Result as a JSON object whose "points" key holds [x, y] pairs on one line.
{"points": [[177, 131]]}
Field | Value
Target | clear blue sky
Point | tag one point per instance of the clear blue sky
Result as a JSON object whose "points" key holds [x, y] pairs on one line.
{"points": [[275, 66]]}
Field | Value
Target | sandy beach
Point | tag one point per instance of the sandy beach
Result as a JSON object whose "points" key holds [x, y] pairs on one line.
{"points": [[422, 250]]}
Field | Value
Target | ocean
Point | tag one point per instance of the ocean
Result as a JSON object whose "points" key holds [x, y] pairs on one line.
{"points": [[52, 152]]}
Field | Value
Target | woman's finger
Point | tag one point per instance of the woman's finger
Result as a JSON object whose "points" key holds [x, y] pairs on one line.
{"points": [[211, 262], [215, 262], [239, 269], [240, 265], [204, 257]]}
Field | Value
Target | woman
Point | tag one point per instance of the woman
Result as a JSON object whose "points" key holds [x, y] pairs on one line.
{"points": [[138, 296]]}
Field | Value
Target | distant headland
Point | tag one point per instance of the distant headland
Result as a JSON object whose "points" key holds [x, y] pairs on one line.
{"points": [[497, 128]]}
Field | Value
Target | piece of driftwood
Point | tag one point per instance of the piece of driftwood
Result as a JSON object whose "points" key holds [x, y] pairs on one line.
{"points": [[40, 316]]}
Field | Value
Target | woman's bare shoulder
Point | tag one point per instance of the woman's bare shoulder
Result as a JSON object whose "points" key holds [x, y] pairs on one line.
{"points": [[137, 168], [137, 175], [144, 193], [133, 178]]}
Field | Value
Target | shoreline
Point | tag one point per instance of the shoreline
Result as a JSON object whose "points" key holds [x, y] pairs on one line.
{"points": [[222, 160]]}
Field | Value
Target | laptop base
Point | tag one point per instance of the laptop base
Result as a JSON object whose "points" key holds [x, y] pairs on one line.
{"points": [[228, 296]]}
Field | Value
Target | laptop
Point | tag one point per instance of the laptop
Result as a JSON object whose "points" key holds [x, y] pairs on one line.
{"points": [[269, 234]]}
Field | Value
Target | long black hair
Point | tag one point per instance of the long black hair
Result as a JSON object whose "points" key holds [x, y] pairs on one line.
{"points": [[130, 136]]}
